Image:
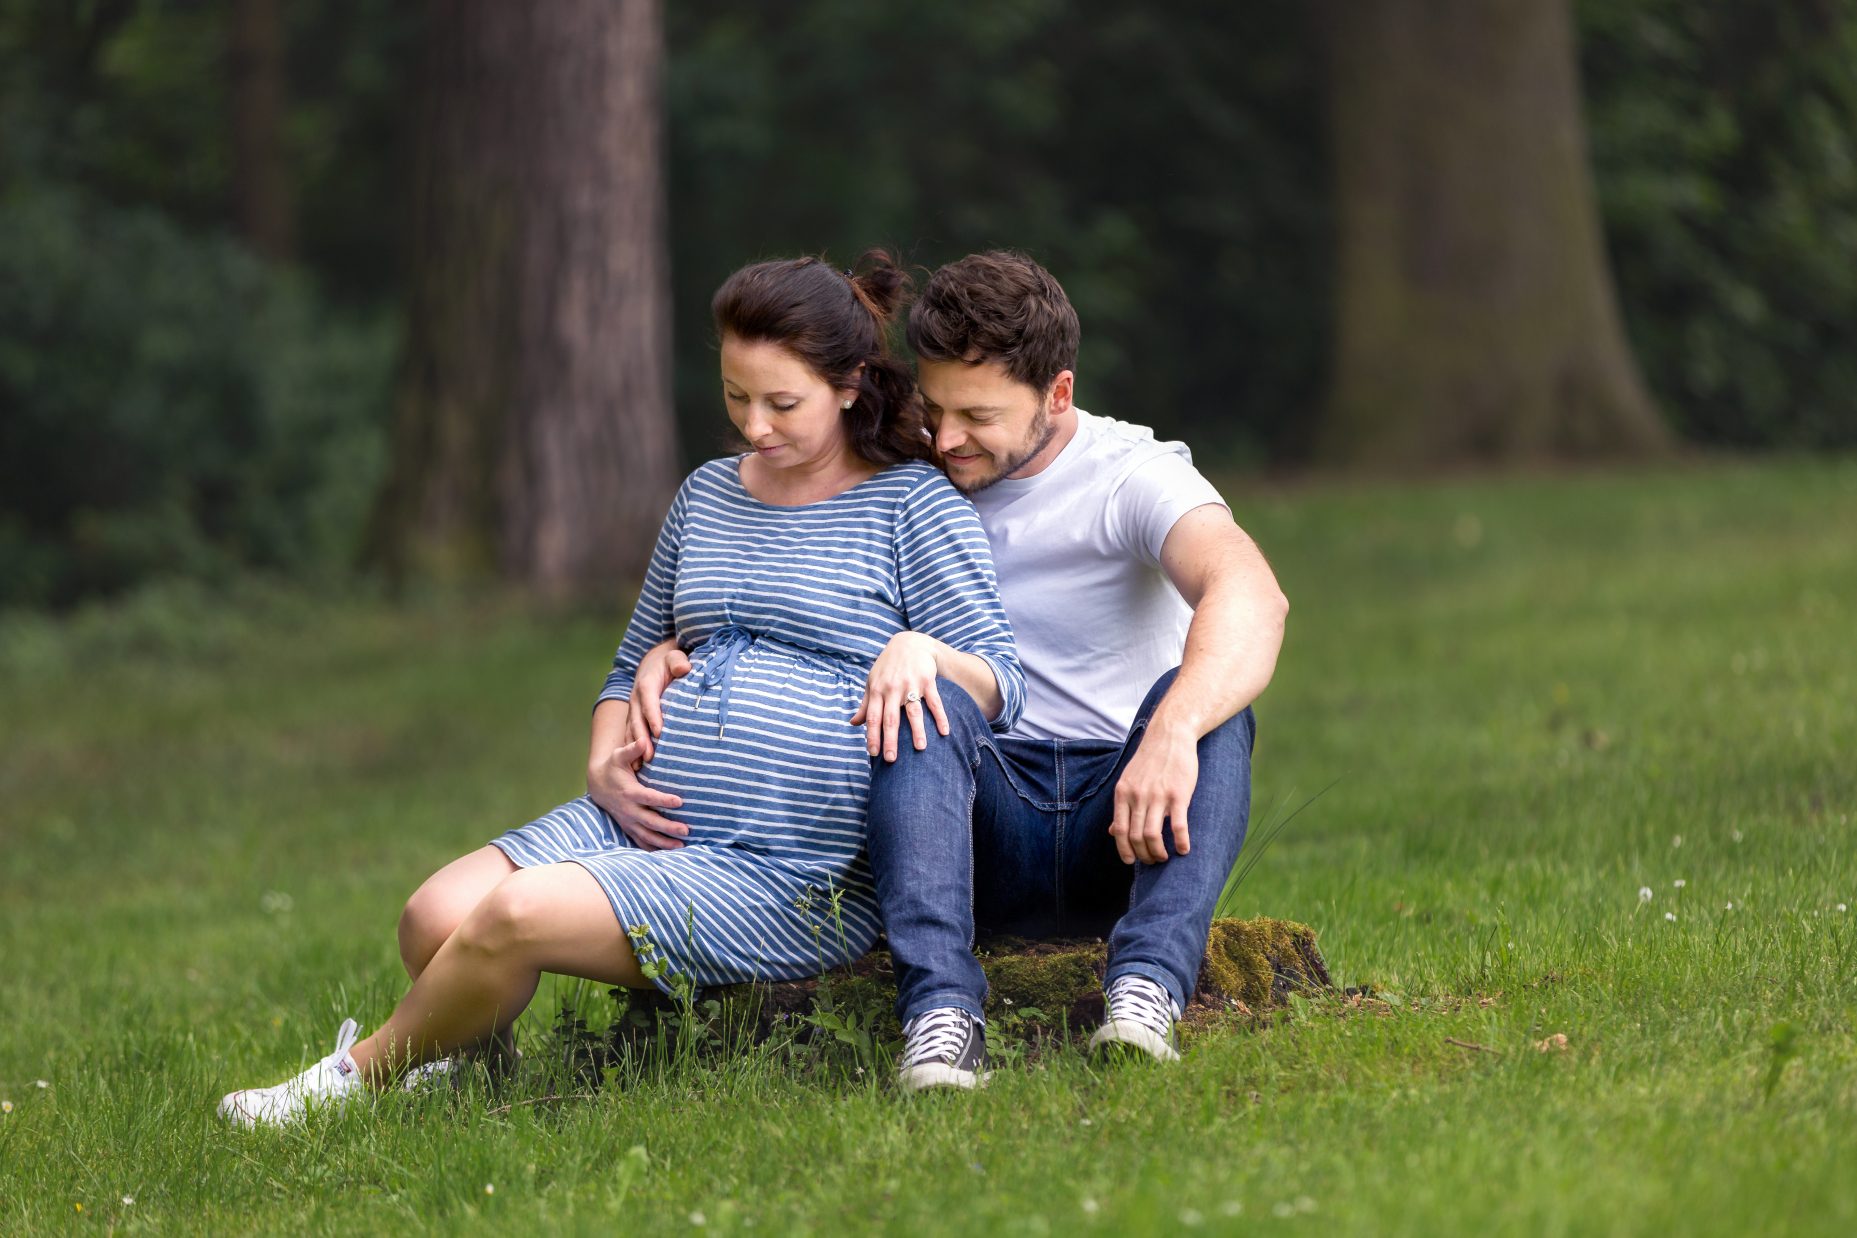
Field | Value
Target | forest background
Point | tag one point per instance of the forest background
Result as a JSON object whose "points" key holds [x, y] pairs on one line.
{"points": [[211, 274]]}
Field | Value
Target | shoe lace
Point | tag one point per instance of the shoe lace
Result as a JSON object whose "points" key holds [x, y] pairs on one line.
{"points": [[936, 1035], [345, 1037], [1136, 999]]}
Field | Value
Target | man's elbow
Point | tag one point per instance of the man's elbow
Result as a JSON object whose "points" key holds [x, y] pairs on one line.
{"points": [[1268, 600]]}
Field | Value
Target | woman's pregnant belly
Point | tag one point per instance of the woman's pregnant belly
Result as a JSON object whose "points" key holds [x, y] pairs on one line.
{"points": [[771, 764]]}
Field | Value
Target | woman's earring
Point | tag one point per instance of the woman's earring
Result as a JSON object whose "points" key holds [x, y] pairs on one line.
{"points": [[847, 405]]}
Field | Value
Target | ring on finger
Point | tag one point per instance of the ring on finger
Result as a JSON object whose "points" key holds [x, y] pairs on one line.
{"points": [[914, 698]]}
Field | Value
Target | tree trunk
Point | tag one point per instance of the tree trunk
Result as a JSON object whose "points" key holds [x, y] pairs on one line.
{"points": [[260, 173], [534, 440], [1476, 318]]}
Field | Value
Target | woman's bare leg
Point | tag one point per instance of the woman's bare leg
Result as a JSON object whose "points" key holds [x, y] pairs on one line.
{"points": [[551, 918], [438, 907]]}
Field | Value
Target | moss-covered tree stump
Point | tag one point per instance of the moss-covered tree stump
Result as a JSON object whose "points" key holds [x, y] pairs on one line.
{"points": [[1251, 967]]}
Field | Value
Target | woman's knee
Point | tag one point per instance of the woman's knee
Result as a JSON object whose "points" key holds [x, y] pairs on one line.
{"points": [[428, 918], [511, 918], [439, 906]]}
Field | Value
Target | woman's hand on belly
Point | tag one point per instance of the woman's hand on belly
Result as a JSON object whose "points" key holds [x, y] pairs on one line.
{"points": [[613, 784], [657, 670]]}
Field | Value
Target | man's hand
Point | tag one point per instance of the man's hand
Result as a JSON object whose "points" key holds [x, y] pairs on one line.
{"points": [[907, 666], [1156, 787], [613, 784], [656, 670]]}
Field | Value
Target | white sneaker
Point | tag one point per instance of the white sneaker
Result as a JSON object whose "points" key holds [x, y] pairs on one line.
{"points": [[1141, 1016], [330, 1082]]}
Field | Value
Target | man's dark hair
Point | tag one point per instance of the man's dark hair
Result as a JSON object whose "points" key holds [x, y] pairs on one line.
{"points": [[997, 306]]}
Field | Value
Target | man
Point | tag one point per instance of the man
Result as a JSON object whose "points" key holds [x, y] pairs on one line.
{"points": [[1119, 802], [1147, 622]]}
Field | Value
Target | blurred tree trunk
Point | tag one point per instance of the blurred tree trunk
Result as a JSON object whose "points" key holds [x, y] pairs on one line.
{"points": [[1476, 317], [534, 440], [260, 173]]}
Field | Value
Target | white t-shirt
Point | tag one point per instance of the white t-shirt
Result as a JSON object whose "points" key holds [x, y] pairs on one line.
{"points": [[1078, 551]]}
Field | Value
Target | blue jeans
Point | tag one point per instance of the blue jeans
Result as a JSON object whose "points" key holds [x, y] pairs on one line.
{"points": [[998, 835]]}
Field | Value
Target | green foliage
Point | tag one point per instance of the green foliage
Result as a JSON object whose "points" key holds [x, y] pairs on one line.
{"points": [[1725, 141], [173, 408], [132, 102], [1170, 163], [1782, 1047], [1166, 161]]}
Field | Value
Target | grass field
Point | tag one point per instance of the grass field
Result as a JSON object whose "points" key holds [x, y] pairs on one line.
{"points": [[1534, 699]]}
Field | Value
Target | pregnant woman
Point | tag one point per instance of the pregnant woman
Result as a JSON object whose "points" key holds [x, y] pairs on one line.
{"points": [[785, 573]]}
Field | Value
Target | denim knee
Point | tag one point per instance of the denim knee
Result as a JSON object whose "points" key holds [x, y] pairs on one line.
{"points": [[946, 764], [967, 725]]}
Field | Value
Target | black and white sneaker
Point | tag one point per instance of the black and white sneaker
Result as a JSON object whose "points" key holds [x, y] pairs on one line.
{"points": [[497, 1057], [943, 1048], [1140, 1016]]}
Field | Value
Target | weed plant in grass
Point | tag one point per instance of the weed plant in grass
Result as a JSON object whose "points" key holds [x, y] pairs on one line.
{"points": [[1589, 744]]}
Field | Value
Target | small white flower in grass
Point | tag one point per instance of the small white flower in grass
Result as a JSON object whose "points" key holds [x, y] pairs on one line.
{"points": [[1679, 883], [1231, 1208], [41, 1083], [490, 1188], [128, 1201], [1190, 1216], [1736, 835], [1670, 916], [698, 1219], [1086, 1121], [1730, 906], [1676, 840], [6, 1106], [1842, 907], [1644, 894], [1090, 1206], [1283, 1209]]}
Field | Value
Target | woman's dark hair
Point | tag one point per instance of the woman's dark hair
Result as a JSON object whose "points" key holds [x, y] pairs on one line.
{"points": [[997, 306], [835, 320]]}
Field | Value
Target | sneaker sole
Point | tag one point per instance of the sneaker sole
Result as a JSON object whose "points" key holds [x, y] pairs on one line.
{"points": [[939, 1075], [233, 1110], [1120, 1035]]}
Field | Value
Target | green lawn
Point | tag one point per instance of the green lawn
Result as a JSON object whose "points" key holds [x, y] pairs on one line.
{"points": [[1532, 697]]}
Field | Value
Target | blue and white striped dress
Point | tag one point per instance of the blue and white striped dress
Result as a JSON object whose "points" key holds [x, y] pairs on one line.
{"points": [[783, 611]]}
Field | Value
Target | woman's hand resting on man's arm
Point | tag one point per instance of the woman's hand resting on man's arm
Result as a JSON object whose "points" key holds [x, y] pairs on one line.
{"points": [[623, 732], [908, 667]]}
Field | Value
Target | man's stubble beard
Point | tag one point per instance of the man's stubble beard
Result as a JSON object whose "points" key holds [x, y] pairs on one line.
{"points": [[1038, 437]]}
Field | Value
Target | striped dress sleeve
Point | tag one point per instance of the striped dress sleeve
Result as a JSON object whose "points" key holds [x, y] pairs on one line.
{"points": [[652, 620], [949, 591]]}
